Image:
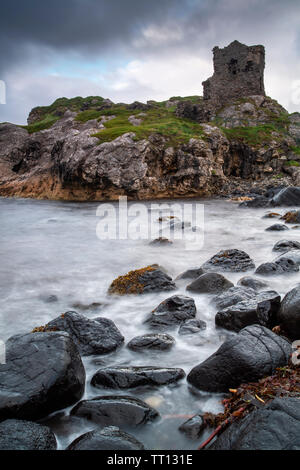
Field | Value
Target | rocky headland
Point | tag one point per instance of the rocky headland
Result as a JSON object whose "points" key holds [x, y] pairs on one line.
{"points": [[233, 140]]}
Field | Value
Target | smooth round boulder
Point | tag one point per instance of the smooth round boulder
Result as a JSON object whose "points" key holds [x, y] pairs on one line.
{"points": [[289, 315], [109, 438], [24, 435], [191, 326], [232, 260], [98, 336], [255, 352], [275, 426], [142, 281], [114, 410], [43, 373], [283, 265], [286, 245], [210, 283], [252, 282], [172, 311], [276, 228], [155, 341], [130, 377], [193, 427], [191, 273], [262, 308]]}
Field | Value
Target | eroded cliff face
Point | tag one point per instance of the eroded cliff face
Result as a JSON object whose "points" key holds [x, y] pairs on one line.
{"points": [[67, 162]]}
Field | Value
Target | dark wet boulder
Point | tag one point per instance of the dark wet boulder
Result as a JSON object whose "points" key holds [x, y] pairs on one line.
{"points": [[252, 282], [97, 336], [24, 435], [289, 315], [191, 326], [233, 296], [191, 273], [172, 311], [43, 373], [109, 438], [210, 283], [275, 426], [155, 341], [120, 377], [141, 281], [293, 255], [287, 197], [256, 202], [229, 261], [193, 427], [283, 265], [111, 410], [286, 245], [277, 228], [253, 353], [261, 308]]}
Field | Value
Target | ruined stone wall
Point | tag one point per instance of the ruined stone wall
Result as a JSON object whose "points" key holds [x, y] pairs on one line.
{"points": [[238, 72]]}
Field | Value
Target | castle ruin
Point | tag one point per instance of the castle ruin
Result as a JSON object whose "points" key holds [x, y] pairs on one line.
{"points": [[238, 72]]}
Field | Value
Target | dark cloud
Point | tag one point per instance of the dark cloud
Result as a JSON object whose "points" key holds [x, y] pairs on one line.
{"points": [[37, 34]]}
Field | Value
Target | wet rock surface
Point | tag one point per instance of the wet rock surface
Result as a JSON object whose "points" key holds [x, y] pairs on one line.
{"points": [[115, 411], [283, 265], [191, 326], [233, 296], [252, 282], [172, 311], [276, 426], [289, 315], [193, 427], [232, 260], [277, 228], [155, 341], [43, 373], [25, 435], [261, 308], [287, 197], [97, 336], [109, 438], [210, 283], [191, 273], [286, 245], [142, 281], [252, 354], [131, 377]]}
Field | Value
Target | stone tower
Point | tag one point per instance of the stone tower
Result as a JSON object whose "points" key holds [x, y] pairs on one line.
{"points": [[238, 72]]}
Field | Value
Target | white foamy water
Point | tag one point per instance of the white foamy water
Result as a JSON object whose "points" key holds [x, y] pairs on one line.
{"points": [[51, 248]]}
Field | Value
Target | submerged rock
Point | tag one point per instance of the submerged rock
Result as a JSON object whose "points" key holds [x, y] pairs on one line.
{"points": [[131, 377], [255, 352], [98, 336], [261, 308], [43, 373], [282, 265], [109, 438], [172, 311], [276, 228], [289, 315], [161, 241], [156, 341], [191, 326], [149, 279], [191, 273], [252, 282], [286, 245], [210, 283], [193, 427], [232, 260], [24, 435], [115, 411], [275, 426]]}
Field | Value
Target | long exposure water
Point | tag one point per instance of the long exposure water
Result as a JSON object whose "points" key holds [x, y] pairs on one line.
{"points": [[50, 248]]}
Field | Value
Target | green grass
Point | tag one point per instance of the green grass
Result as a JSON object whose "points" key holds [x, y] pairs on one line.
{"points": [[46, 123], [296, 150], [292, 163], [161, 121], [254, 136]]}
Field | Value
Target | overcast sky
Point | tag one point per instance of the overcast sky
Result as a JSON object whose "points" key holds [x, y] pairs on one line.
{"points": [[130, 50]]}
